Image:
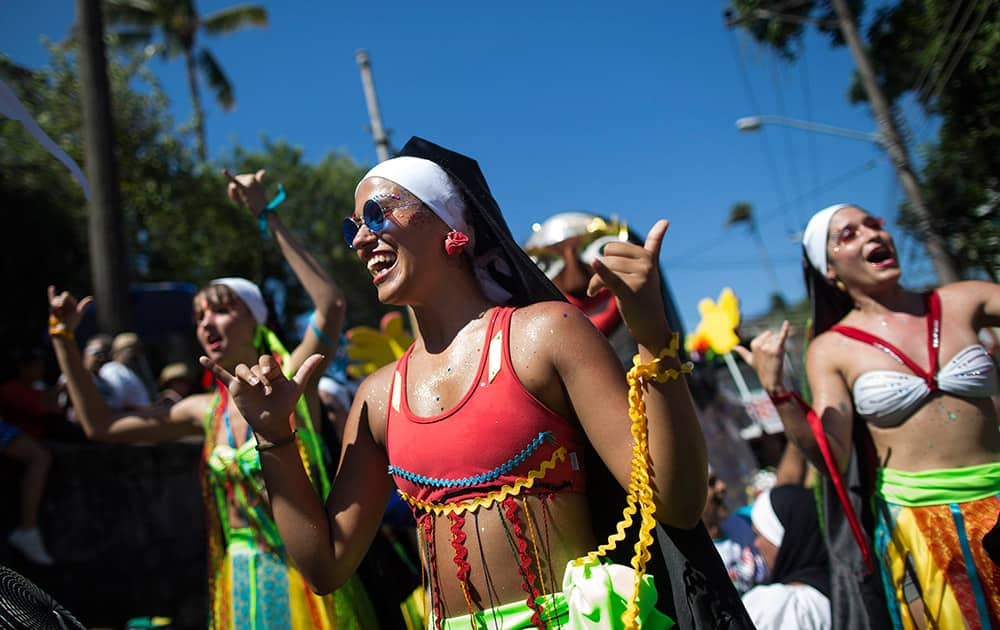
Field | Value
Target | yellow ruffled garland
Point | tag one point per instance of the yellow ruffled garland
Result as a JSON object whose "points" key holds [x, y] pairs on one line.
{"points": [[640, 492], [493, 497]]}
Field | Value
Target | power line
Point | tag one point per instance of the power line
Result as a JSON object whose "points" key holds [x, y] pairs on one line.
{"points": [[755, 105], [950, 60], [926, 73], [813, 151], [779, 99], [926, 95], [774, 212], [965, 46]]}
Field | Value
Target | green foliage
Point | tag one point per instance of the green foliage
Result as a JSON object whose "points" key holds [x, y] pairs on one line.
{"points": [[950, 65], [179, 222], [780, 24], [174, 26], [945, 53], [45, 235]]}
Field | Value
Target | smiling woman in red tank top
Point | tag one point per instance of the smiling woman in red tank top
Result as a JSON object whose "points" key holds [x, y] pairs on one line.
{"points": [[482, 424]]}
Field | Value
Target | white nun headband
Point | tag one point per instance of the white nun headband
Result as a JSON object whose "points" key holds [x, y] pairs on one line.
{"points": [[430, 184], [765, 520], [816, 235], [434, 187], [249, 293]]}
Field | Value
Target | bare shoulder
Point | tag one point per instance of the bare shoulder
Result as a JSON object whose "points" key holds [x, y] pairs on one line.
{"points": [[827, 351], [968, 295], [551, 320]]}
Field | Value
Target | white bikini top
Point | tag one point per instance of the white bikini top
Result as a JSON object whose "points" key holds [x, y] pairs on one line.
{"points": [[886, 398]]}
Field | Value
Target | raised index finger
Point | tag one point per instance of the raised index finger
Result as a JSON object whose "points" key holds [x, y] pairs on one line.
{"points": [[232, 178]]}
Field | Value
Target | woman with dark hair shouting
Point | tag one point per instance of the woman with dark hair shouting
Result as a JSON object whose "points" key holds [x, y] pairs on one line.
{"points": [[911, 368]]}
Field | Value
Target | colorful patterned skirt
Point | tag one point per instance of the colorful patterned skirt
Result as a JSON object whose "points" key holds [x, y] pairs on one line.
{"points": [[257, 590], [929, 540]]}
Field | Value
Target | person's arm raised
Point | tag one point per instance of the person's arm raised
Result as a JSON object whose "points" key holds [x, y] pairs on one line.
{"points": [[830, 395], [598, 391], [325, 542], [97, 419], [326, 322]]}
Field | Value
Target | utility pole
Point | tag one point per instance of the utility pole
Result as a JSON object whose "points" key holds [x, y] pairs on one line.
{"points": [[378, 132], [894, 146], [108, 255]]}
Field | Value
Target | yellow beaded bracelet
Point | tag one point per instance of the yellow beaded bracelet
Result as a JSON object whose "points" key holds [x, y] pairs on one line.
{"points": [[651, 370]]}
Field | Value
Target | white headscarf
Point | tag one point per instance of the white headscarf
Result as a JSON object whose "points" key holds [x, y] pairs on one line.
{"points": [[431, 184], [249, 293], [816, 235], [765, 520]]}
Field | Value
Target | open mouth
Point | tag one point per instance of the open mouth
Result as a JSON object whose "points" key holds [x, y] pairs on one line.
{"points": [[881, 256], [380, 264], [213, 342]]}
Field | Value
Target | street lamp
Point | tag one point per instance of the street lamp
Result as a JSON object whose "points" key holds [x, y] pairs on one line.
{"points": [[754, 123]]}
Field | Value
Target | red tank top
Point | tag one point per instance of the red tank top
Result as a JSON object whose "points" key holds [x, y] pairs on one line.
{"points": [[496, 439]]}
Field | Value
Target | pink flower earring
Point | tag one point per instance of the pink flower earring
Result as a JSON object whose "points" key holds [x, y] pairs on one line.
{"points": [[455, 242]]}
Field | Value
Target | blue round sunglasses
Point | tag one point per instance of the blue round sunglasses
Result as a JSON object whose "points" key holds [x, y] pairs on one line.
{"points": [[374, 217]]}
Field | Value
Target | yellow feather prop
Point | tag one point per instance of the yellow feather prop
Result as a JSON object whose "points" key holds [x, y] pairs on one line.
{"points": [[368, 348], [717, 328]]}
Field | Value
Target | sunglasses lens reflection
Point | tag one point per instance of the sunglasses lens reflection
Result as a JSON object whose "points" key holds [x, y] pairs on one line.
{"points": [[350, 231], [374, 216]]}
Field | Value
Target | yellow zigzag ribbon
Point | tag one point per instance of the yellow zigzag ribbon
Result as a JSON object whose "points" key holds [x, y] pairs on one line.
{"points": [[493, 497], [639, 495]]}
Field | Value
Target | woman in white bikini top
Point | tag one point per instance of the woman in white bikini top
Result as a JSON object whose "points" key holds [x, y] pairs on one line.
{"points": [[911, 367]]}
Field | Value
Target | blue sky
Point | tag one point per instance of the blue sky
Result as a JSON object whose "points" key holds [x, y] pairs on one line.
{"points": [[626, 109]]}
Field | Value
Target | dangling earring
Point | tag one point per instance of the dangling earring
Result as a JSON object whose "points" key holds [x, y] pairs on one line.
{"points": [[455, 242], [837, 282]]}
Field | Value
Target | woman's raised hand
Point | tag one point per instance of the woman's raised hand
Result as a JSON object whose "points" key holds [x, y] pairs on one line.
{"points": [[767, 357], [247, 190], [632, 273], [262, 393], [65, 310]]}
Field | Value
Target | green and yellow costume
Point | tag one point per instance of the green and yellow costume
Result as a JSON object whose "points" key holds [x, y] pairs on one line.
{"points": [[252, 584]]}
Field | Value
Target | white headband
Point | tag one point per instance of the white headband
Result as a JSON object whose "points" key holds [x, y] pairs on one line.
{"points": [[434, 187], [249, 293], [429, 183], [765, 520], [815, 237]]}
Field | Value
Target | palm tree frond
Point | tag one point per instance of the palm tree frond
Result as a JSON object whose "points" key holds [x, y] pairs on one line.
{"points": [[741, 212], [217, 79], [13, 71], [129, 39], [234, 19], [133, 12]]}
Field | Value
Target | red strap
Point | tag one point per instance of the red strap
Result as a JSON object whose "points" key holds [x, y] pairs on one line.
{"points": [[816, 425], [933, 335], [933, 342]]}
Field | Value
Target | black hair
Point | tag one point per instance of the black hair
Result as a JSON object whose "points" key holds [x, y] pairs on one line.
{"points": [[522, 278], [829, 304]]}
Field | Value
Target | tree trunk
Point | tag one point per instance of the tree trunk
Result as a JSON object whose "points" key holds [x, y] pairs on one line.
{"points": [[892, 141], [197, 113], [108, 250]]}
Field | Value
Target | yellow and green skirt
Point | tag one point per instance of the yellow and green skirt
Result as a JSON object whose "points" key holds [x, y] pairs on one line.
{"points": [[929, 540], [256, 590]]}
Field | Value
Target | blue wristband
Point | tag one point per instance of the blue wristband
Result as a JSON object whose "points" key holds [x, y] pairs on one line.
{"points": [[326, 341], [262, 217]]}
